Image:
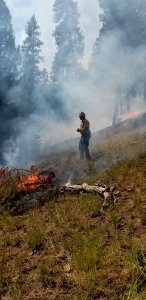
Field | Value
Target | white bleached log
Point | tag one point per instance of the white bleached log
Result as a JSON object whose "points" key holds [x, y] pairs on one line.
{"points": [[105, 192], [85, 187]]}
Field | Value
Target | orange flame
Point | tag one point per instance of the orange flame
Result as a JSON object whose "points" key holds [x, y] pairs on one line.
{"points": [[132, 114], [34, 181]]}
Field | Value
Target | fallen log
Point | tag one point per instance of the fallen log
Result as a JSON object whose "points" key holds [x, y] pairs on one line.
{"points": [[105, 192]]}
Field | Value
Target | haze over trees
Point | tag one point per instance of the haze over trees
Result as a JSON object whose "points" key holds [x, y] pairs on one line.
{"points": [[69, 41], [8, 75], [124, 32], [32, 97]]}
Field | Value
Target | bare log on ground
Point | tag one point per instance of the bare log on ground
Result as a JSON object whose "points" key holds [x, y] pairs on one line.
{"points": [[105, 192]]}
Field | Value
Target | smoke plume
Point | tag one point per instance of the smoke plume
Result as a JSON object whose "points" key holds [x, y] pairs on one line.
{"points": [[115, 77]]}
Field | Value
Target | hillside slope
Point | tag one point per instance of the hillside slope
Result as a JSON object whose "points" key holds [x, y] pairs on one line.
{"points": [[68, 249]]}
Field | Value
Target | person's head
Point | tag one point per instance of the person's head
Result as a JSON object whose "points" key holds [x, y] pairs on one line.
{"points": [[82, 115]]}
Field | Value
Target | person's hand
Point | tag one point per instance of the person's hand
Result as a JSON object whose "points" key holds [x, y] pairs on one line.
{"points": [[78, 130]]}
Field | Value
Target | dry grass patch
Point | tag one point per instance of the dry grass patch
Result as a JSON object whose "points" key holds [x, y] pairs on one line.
{"points": [[36, 231], [123, 143], [47, 270], [5, 278], [7, 191]]}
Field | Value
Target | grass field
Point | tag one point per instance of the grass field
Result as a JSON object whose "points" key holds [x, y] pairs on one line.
{"points": [[68, 249]]}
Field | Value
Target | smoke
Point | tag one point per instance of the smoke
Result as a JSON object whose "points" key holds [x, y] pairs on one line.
{"points": [[118, 65], [33, 134], [115, 73]]}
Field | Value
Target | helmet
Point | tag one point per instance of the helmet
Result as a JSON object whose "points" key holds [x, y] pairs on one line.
{"points": [[81, 114]]}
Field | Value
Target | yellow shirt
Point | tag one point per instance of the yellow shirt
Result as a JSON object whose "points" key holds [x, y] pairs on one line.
{"points": [[85, 125]]}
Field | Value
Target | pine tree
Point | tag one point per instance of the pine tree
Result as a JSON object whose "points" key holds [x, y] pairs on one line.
{"points": [[8, 76], [69, 41], [7, 49], [19, 64], [124, 23], [31, 57], [127, 16], [44, 78]]}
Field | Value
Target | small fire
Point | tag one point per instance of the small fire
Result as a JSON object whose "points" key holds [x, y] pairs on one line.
{"points": [[132, 114], [34, 181]]}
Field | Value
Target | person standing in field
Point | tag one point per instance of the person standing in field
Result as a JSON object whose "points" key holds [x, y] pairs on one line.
{"points": [[85, 137]]}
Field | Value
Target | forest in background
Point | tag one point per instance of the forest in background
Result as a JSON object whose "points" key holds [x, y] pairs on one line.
{"points": [[35, 102]]}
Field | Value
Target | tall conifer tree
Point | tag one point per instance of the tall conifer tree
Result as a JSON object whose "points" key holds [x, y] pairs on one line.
{"points": [[31, 56], [127, 16], [8, 75], [124, 24], [7, 48], [69, 41]]}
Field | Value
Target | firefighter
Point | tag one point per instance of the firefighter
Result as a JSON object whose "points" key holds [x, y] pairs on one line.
{"points": [[85, 137]]}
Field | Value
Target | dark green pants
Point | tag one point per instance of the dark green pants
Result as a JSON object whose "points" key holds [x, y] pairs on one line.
{"points": [[84, 148]]}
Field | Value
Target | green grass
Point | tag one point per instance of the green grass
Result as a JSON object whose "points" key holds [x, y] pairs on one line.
{"points": [[7, 191], [68, 249], [36, 231]]}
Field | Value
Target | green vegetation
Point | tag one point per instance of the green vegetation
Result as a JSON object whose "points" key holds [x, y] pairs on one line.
{"points": [[36, 231], [69, 250]]}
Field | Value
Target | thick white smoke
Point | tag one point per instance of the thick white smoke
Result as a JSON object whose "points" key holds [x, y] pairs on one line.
{"points": [[107, 81]]}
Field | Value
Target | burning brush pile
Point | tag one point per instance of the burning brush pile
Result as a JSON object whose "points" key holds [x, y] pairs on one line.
{"points": [[21, 190], [36, 180]]}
